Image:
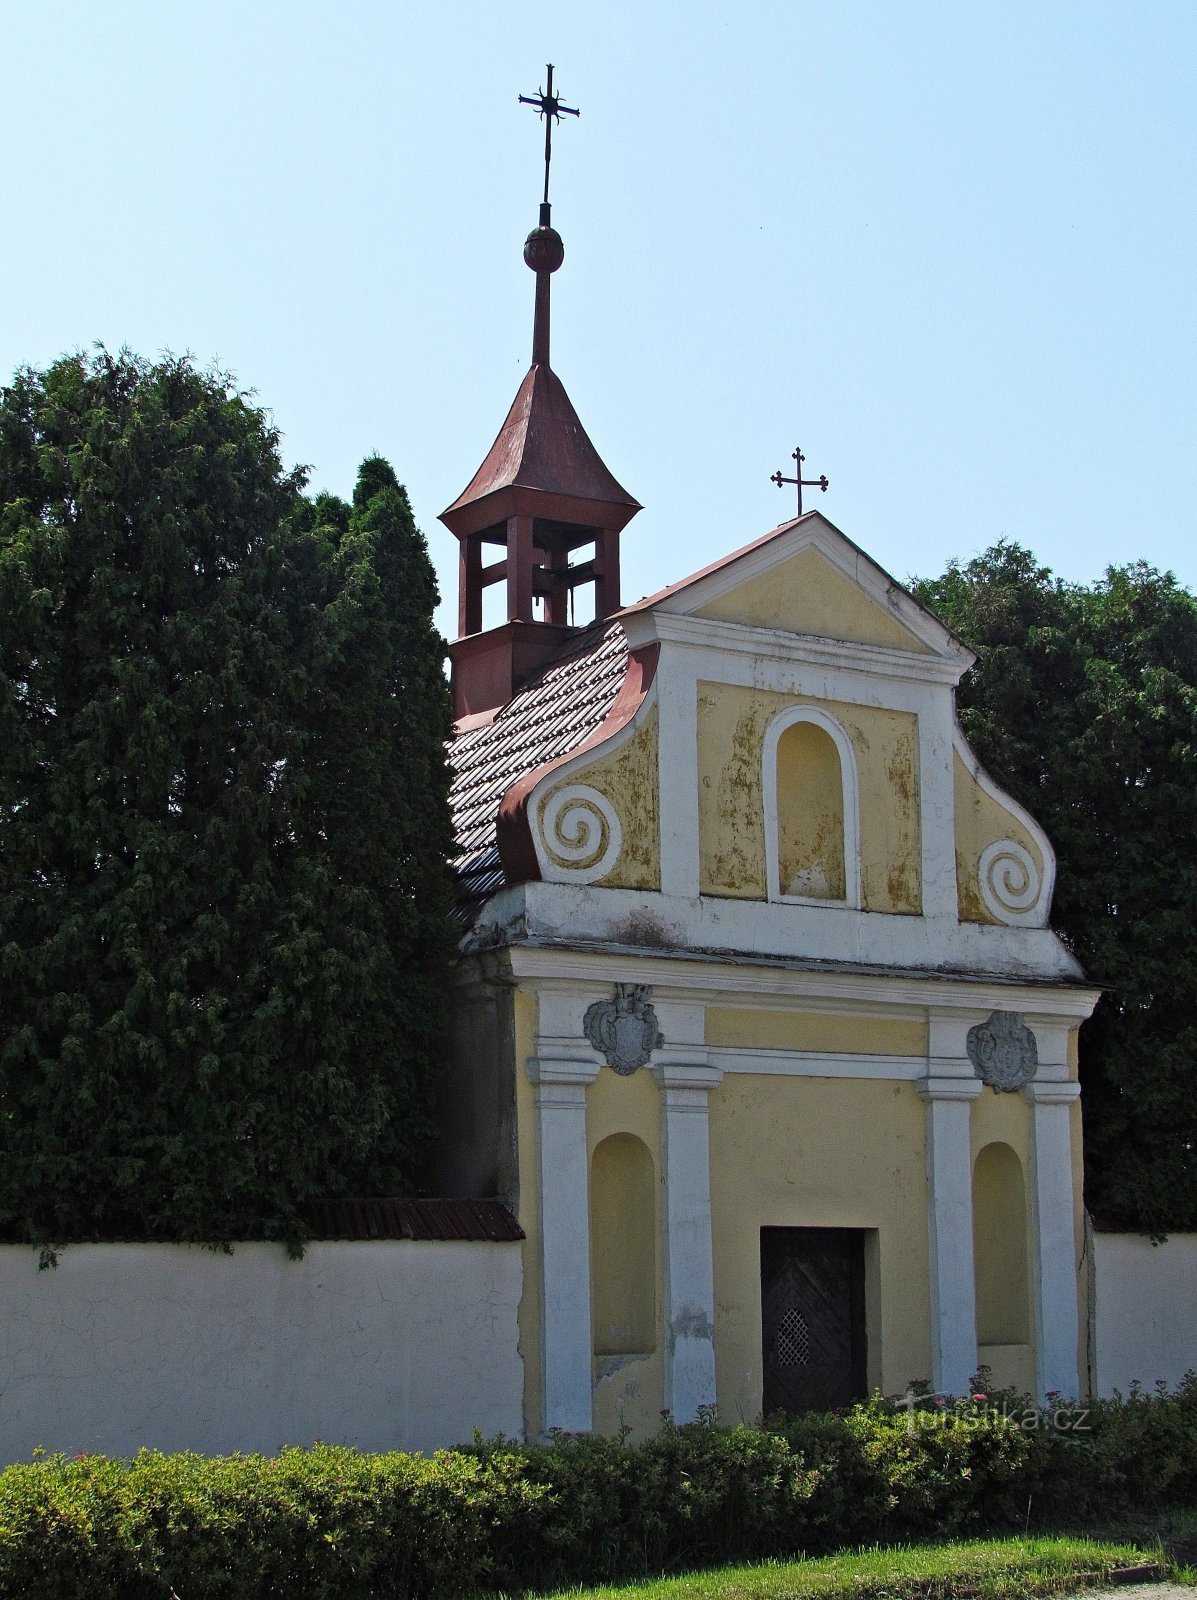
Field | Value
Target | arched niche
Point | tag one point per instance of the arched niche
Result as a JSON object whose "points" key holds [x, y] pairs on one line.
{"points": [[1000, 1247], [623, 1246], [811, 810]]}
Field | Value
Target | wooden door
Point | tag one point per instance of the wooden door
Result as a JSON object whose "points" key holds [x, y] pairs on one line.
{"points": [[812, 1318]]}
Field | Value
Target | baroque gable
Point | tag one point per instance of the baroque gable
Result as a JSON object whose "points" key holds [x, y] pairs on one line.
{"points": [[764, 757]]}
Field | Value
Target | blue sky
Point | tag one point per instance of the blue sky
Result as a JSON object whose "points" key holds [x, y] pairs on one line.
{"points": [[951, 249]]}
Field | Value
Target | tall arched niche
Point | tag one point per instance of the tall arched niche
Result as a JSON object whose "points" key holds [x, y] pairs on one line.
{"points": [[811, 822], [623, 1246], [1000, 1247]]}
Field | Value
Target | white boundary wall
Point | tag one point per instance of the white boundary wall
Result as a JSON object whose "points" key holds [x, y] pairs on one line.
{"points": [[382, 1345], [1143, 1311]]}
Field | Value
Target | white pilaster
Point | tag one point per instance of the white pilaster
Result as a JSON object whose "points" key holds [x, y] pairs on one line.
{"points": [[689, 1275], [677, 772], [950, 1230], [937, 810], [565, 1241], [1057, 1322]]}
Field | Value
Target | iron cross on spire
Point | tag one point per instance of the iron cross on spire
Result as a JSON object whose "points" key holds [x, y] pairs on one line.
{"points": [[799, 482], [548, 106]]}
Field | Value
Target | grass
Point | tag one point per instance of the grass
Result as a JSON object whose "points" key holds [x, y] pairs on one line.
{"points": [[985, 1568]]}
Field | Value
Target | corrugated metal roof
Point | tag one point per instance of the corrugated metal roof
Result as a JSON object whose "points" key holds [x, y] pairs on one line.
{"points": [[548, 718], [391, 1218]]}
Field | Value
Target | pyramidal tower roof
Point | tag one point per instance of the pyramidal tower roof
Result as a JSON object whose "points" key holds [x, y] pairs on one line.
{"points": [[543, 464]]}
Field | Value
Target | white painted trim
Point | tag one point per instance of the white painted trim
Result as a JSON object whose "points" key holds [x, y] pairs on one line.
{"points": [[780, 645], [1051, 1091], [937, 807], [813, 529], [689, 1265], [564, 1173], [1037, 913], [700, 927], [950, 1086], [850, 793], [704, 977], [1057, 1315], [677, 774], [950, 1238]]}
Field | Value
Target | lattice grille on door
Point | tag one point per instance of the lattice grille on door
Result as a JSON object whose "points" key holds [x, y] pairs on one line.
{"points": [[793, 1340]]}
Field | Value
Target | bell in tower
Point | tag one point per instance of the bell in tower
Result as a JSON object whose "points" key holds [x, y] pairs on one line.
{"points": [[541, 499]]}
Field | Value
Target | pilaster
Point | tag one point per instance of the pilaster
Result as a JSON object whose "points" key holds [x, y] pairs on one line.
{"points": [[950, 1228], [565, 1240], [689, 1274], [1057, 1319]]}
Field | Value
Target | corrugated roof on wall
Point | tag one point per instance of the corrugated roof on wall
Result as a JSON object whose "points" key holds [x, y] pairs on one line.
{"points": [[391, 1218], [563, 704]]}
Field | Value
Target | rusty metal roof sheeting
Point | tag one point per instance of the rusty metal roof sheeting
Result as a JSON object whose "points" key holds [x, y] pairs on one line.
{"points": [[389, 1218], [552, 715], [543, 445]]}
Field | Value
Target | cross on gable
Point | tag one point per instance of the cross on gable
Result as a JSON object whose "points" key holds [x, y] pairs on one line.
{"points": [[799, 481]]}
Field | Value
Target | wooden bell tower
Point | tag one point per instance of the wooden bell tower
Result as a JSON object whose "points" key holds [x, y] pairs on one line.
{"points": [[541, 499]]}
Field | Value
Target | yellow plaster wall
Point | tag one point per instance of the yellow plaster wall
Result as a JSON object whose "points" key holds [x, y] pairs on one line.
{"points": [[627, 777], [731, 726], [810, 814], [818, 1033], [807, 594], [531, 1313], [981, 821], [823, 1153], [628, 1389]]}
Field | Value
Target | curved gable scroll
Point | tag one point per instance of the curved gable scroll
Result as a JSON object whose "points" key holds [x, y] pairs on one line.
{"points": [[812, 810], [1005, 865], [585, 828]]}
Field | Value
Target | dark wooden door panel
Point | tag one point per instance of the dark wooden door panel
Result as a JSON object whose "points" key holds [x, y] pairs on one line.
{"points": [[812, 1318]]}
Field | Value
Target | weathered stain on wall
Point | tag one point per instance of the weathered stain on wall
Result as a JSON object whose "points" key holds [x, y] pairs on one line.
{"points": [[808, 594], [980, 821], [731, 725], [731, 814], [627, 777]]}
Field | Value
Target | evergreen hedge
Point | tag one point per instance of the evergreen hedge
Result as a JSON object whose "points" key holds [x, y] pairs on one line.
{"points": [[223, 817], [331, 1522]]}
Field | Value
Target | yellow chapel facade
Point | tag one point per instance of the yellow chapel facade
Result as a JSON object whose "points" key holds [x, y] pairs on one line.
{"points": [[760, 1027], [859, 1077]]}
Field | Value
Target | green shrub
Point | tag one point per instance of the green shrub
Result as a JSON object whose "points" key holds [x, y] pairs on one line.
{"points": [[314, 1524]]}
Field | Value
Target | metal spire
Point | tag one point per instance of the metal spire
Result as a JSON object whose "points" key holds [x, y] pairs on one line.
{"points": [[548, 105], [800, 482]]}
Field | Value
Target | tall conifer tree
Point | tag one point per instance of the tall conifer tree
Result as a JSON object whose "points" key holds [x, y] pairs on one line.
{"points": [[222, 817]]}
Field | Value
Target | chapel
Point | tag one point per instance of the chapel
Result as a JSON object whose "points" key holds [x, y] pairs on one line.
{"points": [[760, 1027]]}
